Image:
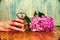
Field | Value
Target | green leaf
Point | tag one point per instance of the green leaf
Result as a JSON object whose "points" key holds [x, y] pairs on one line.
{"points": [[58, 0], [27, 19], [35, 13], [0, 0], [40, 14]]}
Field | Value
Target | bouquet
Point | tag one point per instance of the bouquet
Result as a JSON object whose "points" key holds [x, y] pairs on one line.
{"points": [[39, 22]]}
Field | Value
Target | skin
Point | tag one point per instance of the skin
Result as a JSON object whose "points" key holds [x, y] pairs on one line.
{"points": [[13, 25]]}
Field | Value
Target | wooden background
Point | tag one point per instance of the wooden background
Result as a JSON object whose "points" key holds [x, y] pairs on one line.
{"points": [[28, 35]]}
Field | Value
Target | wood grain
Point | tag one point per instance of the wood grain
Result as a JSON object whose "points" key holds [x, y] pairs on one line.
{"points": [[28, 35]]}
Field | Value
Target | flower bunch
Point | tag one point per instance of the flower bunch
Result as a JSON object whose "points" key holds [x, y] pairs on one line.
{"points": [[43, 23]]}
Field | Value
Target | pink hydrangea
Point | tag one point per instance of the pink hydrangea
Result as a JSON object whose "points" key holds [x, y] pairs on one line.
{"points": [[43, 23]]}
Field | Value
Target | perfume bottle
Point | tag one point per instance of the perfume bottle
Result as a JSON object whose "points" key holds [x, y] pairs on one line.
{"points": [[21, 16]]}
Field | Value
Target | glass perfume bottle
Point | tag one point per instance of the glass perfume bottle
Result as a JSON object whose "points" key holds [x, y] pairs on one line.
{"points": [[21, 16]]}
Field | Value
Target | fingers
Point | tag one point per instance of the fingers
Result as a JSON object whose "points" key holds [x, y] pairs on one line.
{"points": [[17, 20], [11, 28], [7, 26], [15, 28], [18, 24]]}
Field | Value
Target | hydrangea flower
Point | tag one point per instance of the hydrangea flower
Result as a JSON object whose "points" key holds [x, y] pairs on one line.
{"points": [[43, 23]]}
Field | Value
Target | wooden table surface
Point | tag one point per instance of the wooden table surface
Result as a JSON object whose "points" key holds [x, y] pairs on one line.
{"points": [[28, 35]]}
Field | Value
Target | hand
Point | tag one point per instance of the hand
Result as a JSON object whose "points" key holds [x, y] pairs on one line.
{"points": [[14, 24]]}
